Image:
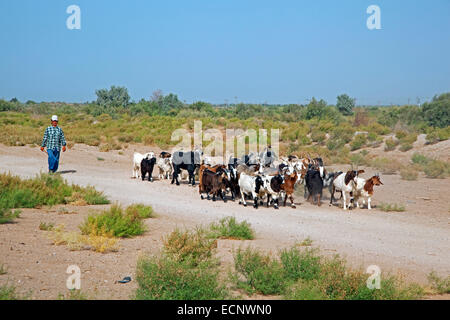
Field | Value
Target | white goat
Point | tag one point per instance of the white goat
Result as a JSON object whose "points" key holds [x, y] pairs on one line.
{"points": [[137, 159]]}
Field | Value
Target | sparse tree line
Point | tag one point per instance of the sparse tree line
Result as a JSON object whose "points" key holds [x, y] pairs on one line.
{"points": [[116, 101]]}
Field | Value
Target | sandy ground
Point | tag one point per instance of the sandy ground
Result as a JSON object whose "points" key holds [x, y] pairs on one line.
{"points": [[411, 243]]}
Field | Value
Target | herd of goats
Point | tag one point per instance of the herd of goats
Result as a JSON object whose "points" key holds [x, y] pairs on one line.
{"points": [[258, 177]]}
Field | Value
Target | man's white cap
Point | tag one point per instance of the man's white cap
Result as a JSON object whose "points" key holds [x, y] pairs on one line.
{"points": [[54, 118]]}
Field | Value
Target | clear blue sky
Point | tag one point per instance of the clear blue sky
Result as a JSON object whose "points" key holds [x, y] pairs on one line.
{"points": [[212, 50]]}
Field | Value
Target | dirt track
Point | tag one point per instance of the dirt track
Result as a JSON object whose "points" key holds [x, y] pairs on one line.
{"points": [[414, 242]]}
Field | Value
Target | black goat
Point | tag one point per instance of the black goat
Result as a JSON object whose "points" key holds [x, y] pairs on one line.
{"points": [[147, 166]]}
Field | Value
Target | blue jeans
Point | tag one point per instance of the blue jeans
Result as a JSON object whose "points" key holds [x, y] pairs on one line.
{"points": [[53, 159]]}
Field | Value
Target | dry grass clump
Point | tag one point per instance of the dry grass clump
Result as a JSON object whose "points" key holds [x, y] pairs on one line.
{"points": [[98, 242], [386, 165], [409, 174], [191, 246], [390, 144], [391, 207]]}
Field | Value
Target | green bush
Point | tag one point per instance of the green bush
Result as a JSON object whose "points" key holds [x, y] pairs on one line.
{"points": [[437, 169], [141, 210], [318, 136], [7, 215], [358, 159], [405, 147], [45, 189], [300, 264], [420, 159], [440, 285], [163, 278], [390, 144], [305, 274], [9, 293], [114, 222], [335, 144], [258, 272], [192, 246], [229, 228], [358, 142]]}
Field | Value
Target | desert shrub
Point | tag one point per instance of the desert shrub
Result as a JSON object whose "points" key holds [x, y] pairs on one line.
{"points": [[386, 165], [389, 207], [257, 272], [372, 136], [358, 159], [420, 159], [164, 278], [358, 142], [141, 210], [440, 285], [44, 189], [300, 264], [44, 226], [7, 215], [409, 174], [305, 290], [390, 144], [405, 147], [305, 274], [318, 136], [9, 293], [437, 169], [192, 246], [409, 138], [115, 222], [335, 144], [229, 228], [401, 134]]}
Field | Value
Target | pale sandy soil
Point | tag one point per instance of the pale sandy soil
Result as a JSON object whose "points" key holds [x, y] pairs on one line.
{"points": [[411, 243]]}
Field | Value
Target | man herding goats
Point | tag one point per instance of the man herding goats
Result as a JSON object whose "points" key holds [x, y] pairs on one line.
{"points": [[53, 139]]}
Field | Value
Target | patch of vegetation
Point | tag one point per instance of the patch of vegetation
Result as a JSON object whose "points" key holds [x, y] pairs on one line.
{"points": [[258, 272], [165, 278], [420, 159], [409, 174], [440, 285], [306, 242], [437, 135], [191, 246], [140, 210], [389, 207], [102, 243], [9, 293], [116, 222], [386, 165], [46, 226], [437, 169], [358, 142], [359, 159], [7, 215], [73, 295], [405, 147], [305, 274], [185, 269], [44, 189], [390, 144], [229, 228]]}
